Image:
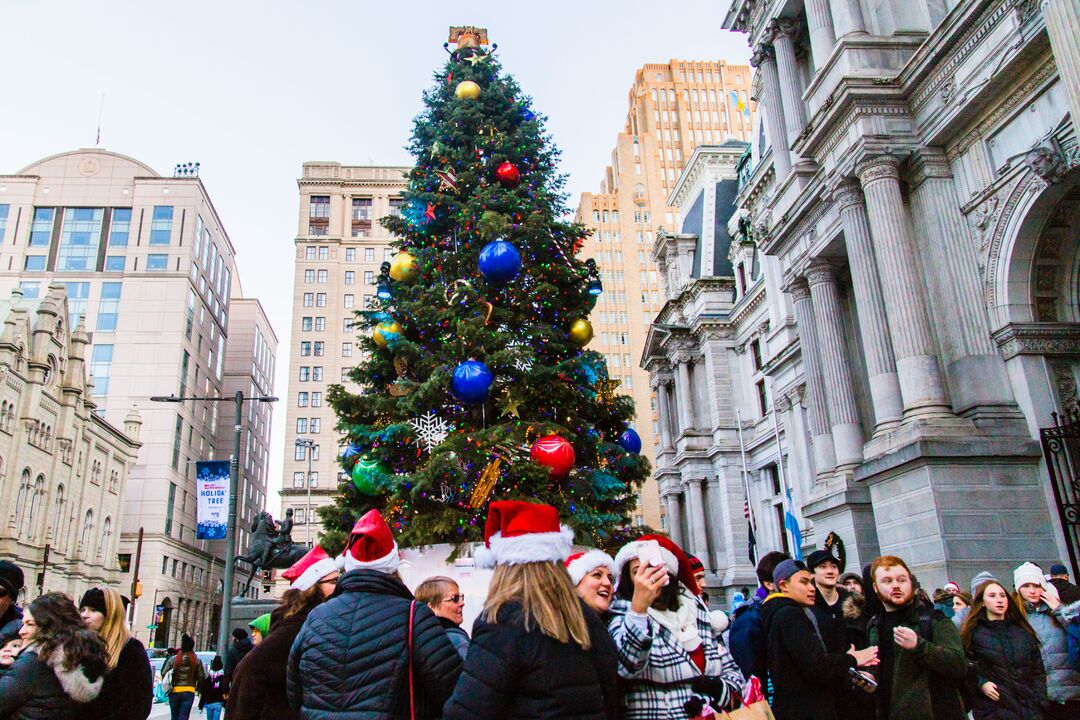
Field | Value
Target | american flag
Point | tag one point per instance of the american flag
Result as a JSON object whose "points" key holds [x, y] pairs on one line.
{"points": [[751, 541]]}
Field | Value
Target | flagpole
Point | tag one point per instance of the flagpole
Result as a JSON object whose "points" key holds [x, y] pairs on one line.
{"points": [[101, 109], [787, 499], [746, 471]]}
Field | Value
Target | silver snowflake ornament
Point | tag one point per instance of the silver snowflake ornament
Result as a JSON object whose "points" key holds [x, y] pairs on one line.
{"points": [[431, 429]]}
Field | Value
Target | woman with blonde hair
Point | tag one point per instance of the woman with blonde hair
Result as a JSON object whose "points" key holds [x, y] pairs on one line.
{"points": [[443, 595], [128, 693], [537, 649]]}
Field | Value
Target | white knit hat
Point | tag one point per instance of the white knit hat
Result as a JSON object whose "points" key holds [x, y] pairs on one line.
{"points": [[1031, 574], [581, 564]]}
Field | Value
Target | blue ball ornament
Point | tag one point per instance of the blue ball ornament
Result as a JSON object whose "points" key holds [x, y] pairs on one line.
{"points": [[630, 441], [351, 451], [472, 382], [527, 115], [500, 262]]}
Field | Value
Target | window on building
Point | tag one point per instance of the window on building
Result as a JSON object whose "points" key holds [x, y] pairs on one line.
{"points": [[157, 263], [763, 397], [320, 300], [79, 238], [109, 307], [161, 225], [114, 263], [350, 254], [317, 373], [346, 349], [318, 347], [320, 324], [369, 300], [755, 353], [309, 276], [350, 300], [309, 253], [30, 290], [319, 206], [306, 324], [322, 277], [309, 299], [78, 294], [305, 348], [301, 399], [324, 252], [316, 399], [119, 227], [41, 227], [350, 277], [305, 373], [316, 425], [300, 453], [397, 205], [100, 365], [298, 478]]}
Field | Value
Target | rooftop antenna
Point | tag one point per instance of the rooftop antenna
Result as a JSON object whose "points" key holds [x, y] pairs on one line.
{"points": [[101, 109]]}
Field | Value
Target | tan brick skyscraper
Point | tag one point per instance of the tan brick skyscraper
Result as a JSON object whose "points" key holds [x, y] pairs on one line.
{"points": [[673, 108]]}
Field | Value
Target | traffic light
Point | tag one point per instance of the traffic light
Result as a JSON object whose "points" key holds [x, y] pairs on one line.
{"points": [[137, 592]]}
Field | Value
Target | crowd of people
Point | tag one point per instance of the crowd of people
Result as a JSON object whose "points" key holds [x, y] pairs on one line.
{"points": [[582, 636]]}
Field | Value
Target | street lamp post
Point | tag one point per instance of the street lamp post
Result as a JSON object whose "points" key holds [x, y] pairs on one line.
{"points": [[234, 487], [310, 446]]}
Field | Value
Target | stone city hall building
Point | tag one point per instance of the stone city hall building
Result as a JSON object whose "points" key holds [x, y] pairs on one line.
{"points": [[912, 193]]}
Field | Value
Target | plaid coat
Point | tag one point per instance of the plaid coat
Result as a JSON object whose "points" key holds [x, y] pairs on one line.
{"points": [[657, 671]]}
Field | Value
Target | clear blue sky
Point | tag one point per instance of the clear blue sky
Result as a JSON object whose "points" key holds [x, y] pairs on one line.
{"points": [[253, 89]]}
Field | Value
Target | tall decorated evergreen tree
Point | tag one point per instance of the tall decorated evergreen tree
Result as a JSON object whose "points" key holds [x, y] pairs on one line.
{"points": [[475, 383]]}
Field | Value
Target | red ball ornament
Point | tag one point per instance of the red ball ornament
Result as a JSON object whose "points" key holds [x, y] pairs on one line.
{"points": [[555, 452], [508, 175]]}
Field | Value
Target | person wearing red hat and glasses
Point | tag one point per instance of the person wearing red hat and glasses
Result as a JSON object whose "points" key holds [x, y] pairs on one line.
{"points": [[669, 655], [258, 685], [537, 651], [371, 650]]}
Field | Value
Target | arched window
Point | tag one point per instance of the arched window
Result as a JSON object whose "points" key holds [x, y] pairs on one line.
{"points": [[106, 537], [58, 517], [84, 536], [37, 495], [24, 490]]}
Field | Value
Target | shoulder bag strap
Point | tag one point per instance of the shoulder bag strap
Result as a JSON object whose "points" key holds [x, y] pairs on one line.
{"points": [[412, 695]]}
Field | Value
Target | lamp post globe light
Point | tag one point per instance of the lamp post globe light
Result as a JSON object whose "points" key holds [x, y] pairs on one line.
{"points": [[309, 446], [234, 484]]}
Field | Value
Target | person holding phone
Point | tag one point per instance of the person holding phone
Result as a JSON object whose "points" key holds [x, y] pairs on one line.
{"points": [[668, 653]]}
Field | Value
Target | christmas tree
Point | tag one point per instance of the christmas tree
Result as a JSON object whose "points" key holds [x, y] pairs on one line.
{"points": [[475, 384]]}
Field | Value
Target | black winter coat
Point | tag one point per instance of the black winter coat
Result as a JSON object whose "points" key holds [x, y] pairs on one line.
{"points": [[520, 673], [236, 652], [128, 693], [1009, 657], [803, 674], [258, 688], [35, 690], [351, 658]]}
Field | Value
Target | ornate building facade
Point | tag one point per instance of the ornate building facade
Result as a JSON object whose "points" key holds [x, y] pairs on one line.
{"points": [[63, 468], [915, 183]]}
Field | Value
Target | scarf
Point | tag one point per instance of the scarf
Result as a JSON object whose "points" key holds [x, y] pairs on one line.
{"points": [[681, 623]]}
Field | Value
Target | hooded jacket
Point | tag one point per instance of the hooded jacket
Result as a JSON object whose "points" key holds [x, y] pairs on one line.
{"points": [[1062, 682], [804, 676], [10, 623], [258, 686], [351, 658], [128, 692], [34, 689], [1008, 656]]}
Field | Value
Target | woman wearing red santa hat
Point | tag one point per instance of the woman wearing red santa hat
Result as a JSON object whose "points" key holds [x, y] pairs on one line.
{"points": [[667, 646], [593, 572], [258, 685], [371, 650], [537, 651]]}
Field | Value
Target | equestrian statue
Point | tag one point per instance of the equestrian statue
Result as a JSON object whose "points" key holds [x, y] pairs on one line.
{"points": [[271, 545]]}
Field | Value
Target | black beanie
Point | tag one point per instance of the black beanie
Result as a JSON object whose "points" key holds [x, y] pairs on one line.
{"points": [[94, 599], [11, 578], [186, 643], [239, 633]]}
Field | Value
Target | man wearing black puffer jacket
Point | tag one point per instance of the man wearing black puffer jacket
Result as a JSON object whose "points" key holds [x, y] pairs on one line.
{"points": [[352, 657]]}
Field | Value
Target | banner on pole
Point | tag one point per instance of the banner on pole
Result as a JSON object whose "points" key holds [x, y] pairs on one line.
{"points": [[212, 487]]}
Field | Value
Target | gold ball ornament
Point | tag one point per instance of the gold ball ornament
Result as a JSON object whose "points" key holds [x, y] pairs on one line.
{"points": [[581, 332], [467, 90], [383, 331], [404, 268]]}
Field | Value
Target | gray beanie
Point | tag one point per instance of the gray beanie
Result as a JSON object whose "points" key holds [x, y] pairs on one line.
{"points": [[983, 577]]}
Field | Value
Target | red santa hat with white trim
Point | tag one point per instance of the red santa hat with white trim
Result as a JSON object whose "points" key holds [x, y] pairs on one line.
{"points": [[675, 560], [371, 545], [581, 564], [519, 532], [311, 568]]}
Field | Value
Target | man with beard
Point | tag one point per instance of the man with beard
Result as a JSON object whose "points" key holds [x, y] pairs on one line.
{"points": [[805, 675], [922, 658]]}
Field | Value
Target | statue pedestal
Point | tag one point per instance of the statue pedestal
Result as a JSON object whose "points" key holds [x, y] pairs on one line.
{"points": [[245, 610]]}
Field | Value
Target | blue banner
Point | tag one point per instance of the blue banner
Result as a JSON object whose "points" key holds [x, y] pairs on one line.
{"points": [[212, 488]]}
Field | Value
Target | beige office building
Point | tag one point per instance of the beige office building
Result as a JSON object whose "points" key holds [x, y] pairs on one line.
{"points": [[148, 263], [339, 247], [673, 108]]}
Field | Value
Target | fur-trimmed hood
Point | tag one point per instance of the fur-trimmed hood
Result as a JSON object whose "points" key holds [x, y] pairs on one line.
{"points": [[82, 683], [853, 606], [1071, 611]]}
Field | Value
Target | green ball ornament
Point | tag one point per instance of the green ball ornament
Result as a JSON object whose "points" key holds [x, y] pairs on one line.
{"points": [[365, 475]]}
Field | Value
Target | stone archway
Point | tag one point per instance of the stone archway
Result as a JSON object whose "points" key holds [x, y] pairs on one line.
{"points": [[164, 624]]}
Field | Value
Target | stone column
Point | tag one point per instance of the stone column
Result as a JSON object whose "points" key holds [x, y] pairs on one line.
{"points": [[1063, 27], [877, 347], [820, 23], [847, 17], [921, 386], [973, 365], [674, 518], [764, 59], [663, 409], [835, 365], [686, 410], [824, 453], [784, 31], [695, 518]]}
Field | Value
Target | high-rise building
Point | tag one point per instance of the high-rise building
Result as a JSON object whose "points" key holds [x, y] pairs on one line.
{"points": [[340, 245], [673, 108], [147, 262]]}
